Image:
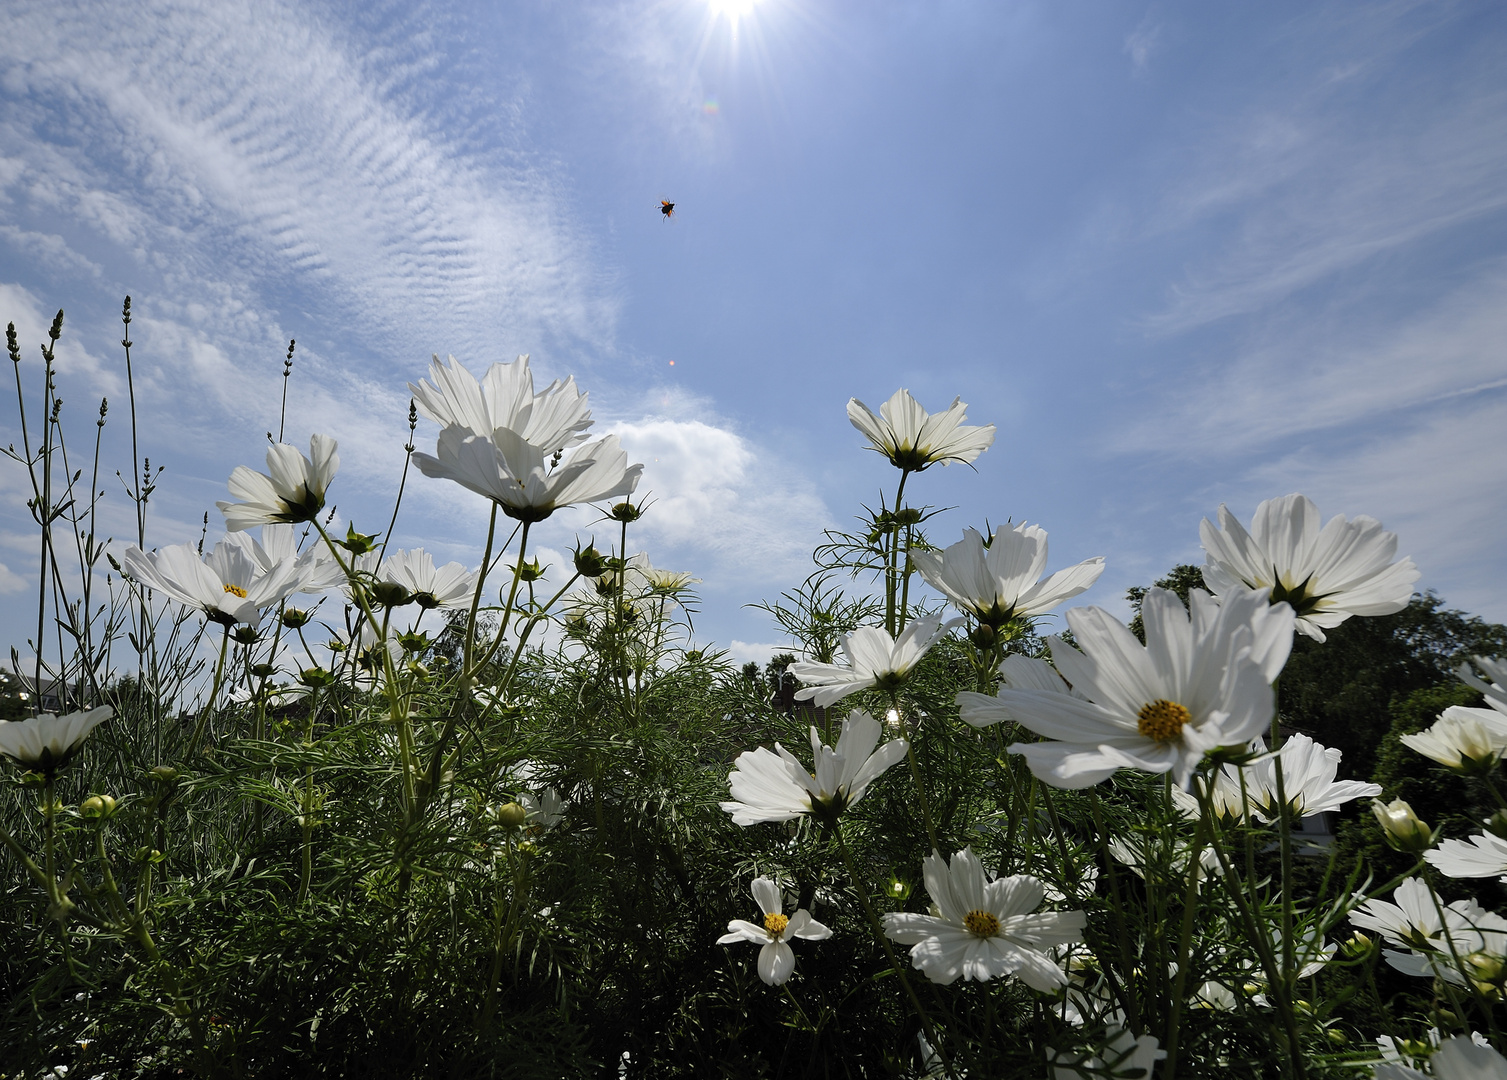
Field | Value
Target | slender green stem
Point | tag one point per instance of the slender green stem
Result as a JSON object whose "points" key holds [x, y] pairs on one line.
{"points": [[1185, 935], [214, 694], [889, 950]]}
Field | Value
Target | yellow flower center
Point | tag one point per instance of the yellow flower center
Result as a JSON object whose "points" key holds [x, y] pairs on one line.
{"points": [[236, 590], [1162, 720], [775, 924], [981, 923]]}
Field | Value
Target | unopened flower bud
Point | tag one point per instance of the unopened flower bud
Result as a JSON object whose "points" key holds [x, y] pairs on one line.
{"points": [[245, 635], [293, 617], [982, 636], [1403, 830], [316, 677], [1497, 824], [163, 774], [263, 671], [511, 816], [1358, 945], [589, 561], [414, 641], [906, 516], [627, 512], [531, 571], [357, 543], [1483, 967], [97, 806], [390, 594]]}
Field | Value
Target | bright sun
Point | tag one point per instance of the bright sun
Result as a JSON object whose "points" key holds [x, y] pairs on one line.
{"points": [[733, 9]]}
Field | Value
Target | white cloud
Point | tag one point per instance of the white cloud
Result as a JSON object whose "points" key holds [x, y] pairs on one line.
{"points": [[10, 581], [162, 135], [1306, 188], [714, 493], [758, 652], [1141, 43], [1307, 374]]}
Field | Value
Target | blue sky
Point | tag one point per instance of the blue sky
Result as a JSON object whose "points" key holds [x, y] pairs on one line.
{"points": [[1180, 253]]}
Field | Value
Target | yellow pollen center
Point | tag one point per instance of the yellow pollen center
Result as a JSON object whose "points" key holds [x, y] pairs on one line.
{"points": [[1162, 720], [775, 924], [981, 923], [236, 590]]}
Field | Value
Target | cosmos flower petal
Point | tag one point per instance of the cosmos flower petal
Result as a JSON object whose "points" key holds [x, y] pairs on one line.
{"points": [[767, 894], [776, 963]]}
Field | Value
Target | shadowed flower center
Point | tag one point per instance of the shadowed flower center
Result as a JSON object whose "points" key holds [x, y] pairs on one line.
{"points": [[981, 923], [775, 924], [236, 590], [1162, 720]]}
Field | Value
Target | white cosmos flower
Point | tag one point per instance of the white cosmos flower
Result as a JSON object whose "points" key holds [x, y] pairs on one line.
{"points": [[1483, 855], [776, 958], [1494, 683], [1122, 1055], [46, 742], [985, 928], [1327, 574], [913, 439], [553, 419], [775, 786], [512, 472], [1413, 923], [1308, 779], [1201, 681], [448, 586], [874, 659], [1462, 739], [228, 585], [1459, 1058], [317, 570], [1001, 581], [293, 492]]}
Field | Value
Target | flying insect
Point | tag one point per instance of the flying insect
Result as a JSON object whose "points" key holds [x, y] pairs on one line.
{"points": [[667, 208]]}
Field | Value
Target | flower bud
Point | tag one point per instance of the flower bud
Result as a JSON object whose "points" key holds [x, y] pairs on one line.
{"points": [[414, 641], [1487, 972], [357, 543], [906, 516], [589, 561], [1358, 945], [97, 806], [390, 594], [627, 512], [897, 890], [1497, 824], [531, 571], [245, 635], [316, 677], [511, 816], [1404, 831], [163, 774], [263, 671], [293, 617]]}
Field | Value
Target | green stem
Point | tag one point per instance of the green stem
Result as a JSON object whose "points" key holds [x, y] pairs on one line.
{"points": [[214, 693], [1185, 936], [889, 950]]}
